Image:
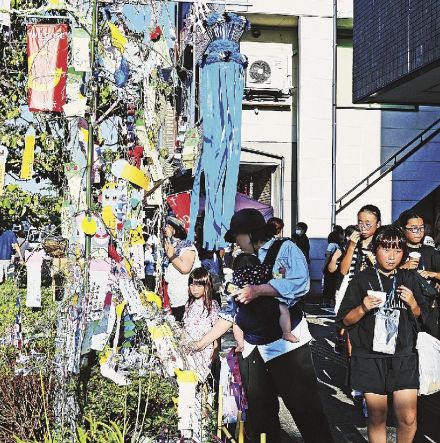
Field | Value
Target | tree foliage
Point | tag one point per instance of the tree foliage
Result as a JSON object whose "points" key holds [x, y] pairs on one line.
{"points": [[17, 204]]}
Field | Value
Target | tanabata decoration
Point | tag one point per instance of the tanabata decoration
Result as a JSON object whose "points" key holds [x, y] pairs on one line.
{"points": [[5, 15], [118, 38], [34, 262], [180, 204], [123, 169], [27, 164], [3, 158], [221, 92], [89, 225], [80, 50], [188, 405], [155, 34], [47, 46]]}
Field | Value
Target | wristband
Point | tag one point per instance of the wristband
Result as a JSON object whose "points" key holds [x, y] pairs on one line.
{"points": [[366, 311]]}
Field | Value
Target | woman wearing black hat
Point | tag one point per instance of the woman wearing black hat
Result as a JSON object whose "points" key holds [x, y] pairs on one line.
{"points": [[274, 367], [182, 258]]}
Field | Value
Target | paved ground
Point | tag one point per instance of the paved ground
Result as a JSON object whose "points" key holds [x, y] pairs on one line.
{"points": [[346, 418]]}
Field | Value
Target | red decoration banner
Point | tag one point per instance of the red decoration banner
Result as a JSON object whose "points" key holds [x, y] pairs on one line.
{"points": [[47, 46], [180, 204]]}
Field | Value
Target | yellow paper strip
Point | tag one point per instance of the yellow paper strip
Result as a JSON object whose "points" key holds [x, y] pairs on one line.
{"points": [[118, 39], [28, 157]]}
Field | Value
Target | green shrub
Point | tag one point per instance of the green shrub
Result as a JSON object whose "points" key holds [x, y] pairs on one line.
{"points": [[22, 410], [145, 407]]}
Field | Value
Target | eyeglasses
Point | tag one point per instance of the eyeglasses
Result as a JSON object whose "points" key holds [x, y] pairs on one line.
{"points": [[415, 229], [365, 225]]}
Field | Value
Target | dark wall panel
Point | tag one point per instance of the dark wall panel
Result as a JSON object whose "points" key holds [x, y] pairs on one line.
{"points": [[392, 39]]}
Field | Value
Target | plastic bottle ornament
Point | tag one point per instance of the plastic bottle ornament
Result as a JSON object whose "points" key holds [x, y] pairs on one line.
{"points": [[122, 73], [135, 199], [155, 34], [89, 225]]}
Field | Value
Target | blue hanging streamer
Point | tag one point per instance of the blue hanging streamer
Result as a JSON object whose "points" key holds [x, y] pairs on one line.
{"points": [[222, 84]]}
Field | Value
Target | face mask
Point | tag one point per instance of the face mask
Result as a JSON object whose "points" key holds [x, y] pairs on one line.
{"points": [[298, 231]]}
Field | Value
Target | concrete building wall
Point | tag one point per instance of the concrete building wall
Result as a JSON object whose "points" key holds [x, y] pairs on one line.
{"points": [[268, 127]]}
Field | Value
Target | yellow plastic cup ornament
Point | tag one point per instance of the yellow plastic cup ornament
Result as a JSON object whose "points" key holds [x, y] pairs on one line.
{"points": [[89, 225]]}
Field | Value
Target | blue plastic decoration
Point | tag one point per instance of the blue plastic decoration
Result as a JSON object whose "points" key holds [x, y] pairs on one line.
{"points": [[222, 83], [122, 73]]}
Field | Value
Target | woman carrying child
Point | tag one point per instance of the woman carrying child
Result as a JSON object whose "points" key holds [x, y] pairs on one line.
{"points": [[271, 366], [380, 308]]}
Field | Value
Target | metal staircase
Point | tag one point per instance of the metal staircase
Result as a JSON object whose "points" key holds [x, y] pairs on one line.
{"points": [[388, 165]]}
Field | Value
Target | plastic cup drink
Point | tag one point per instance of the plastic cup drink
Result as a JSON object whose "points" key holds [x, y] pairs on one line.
{"points": [[414, 256]]}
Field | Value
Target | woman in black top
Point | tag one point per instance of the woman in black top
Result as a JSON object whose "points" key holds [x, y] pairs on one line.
{"points": [[375, 371], [424, 258]]}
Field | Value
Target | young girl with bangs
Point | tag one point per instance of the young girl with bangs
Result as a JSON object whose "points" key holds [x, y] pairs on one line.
{"points": [[201, 312], [384, 359]]}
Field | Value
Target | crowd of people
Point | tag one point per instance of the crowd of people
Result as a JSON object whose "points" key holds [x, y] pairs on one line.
{"points": [[374, 277], [371, 277]]}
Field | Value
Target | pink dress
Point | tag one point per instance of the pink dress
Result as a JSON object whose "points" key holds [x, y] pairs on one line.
{"points": [[197, 323]]}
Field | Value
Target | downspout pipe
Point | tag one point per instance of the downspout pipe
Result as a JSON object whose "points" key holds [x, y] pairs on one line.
{"points": [[334, 109]]}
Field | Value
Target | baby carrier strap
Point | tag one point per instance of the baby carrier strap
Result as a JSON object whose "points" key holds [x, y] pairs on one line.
{"points": [[273, 251]]}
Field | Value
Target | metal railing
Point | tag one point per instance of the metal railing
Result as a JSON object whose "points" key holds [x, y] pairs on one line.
{"points": [[388, 165]]}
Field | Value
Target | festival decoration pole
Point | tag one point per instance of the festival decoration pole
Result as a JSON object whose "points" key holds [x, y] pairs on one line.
{"points": [[91, 123]]}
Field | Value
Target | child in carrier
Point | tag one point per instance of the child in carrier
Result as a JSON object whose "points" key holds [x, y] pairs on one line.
{"points": [[248, 270]]}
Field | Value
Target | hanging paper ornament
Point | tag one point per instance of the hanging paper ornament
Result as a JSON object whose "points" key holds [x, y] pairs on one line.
{"points": [[135, 199], [113, 253], [137, 236], [28, 154], [151, 297], [101, 237], [80, 49], [47, 49], [109, 219], [118, 38], [5, 15], [89, 225], [122, 73], [136, 155], [34, 262], [3, 158], [187, 407], [122, 169], [155, 34]]}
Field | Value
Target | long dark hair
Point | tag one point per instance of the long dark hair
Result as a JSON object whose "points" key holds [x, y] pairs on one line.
{"points": [[203, 277]]}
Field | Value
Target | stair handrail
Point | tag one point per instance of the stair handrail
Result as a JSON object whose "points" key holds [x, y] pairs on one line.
{"points": [[389, 160]]}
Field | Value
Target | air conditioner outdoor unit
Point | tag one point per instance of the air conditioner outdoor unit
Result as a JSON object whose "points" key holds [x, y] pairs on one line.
{"points": [[267, 72]]}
